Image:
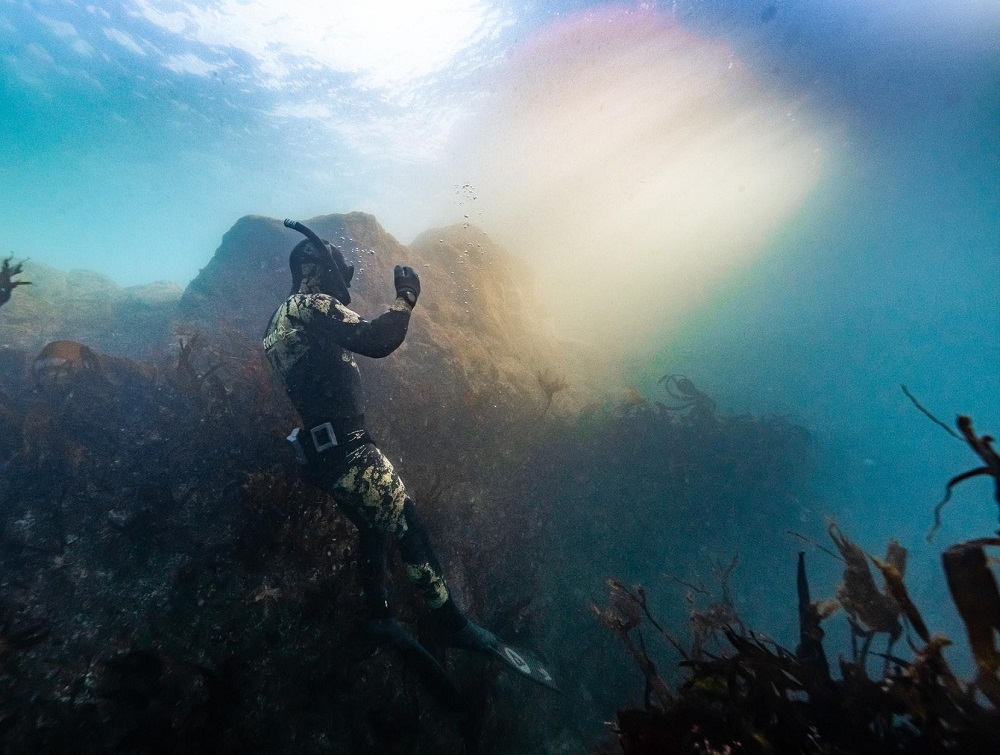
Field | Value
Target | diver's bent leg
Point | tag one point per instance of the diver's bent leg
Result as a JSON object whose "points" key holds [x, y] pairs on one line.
{"points": [[369, 493], [425, 572]]}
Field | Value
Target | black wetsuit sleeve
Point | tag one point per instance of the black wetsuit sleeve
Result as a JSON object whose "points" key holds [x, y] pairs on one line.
{"points": [[376, 338]]}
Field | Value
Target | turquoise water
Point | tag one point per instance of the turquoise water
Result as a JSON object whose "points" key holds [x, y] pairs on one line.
{"points": [[134, 134]]}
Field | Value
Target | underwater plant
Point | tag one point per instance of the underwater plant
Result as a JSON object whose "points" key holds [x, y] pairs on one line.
{"points": [[974, 590], [759, 697], [682, 390], [983, 447], [7, 282], [869, 610], [551, 383]]}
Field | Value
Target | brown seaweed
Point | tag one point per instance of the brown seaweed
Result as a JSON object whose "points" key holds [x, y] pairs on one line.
{"points": [[719, 615], [7, 282], [870, 611], [760, 698], [974, 591], [983, 446], [682, 390], [623, 616], [551, 383], [892, 573]]}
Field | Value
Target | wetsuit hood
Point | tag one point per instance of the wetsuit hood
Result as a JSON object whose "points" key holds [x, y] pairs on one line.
{"points": [[319, 265]]}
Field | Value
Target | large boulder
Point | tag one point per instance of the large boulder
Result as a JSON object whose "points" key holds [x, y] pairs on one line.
{"points": [[248, 276], [475, 333]]}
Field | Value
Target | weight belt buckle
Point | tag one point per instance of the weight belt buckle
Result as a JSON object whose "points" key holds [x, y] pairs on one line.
{"points": [[320, 442]]}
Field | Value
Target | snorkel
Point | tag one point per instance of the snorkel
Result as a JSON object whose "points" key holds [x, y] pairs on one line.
{"points": [[333, 259]]}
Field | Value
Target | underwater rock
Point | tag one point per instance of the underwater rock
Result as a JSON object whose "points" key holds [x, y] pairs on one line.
{"points": [[248, 275], [90, 308], [476, 334]]}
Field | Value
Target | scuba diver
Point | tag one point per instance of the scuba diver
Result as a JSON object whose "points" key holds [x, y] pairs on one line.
{"points": [[310, 342]]}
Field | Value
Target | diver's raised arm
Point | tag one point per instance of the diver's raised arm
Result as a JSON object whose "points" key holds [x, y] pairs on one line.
{"points": [[383, 335]]}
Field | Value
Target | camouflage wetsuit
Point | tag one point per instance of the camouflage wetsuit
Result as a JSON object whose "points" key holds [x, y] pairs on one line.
{"points": [[311, 341]]}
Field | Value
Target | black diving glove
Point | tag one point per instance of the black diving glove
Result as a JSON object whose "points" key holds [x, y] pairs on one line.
{"points": [[407, 283]]}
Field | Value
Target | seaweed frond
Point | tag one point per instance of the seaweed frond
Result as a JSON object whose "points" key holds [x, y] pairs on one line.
{"points": [[983, 446], [7, 282], [551, 383]]}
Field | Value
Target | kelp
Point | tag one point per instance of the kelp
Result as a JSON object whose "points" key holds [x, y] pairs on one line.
{"points": [[758, 697], [7, 283], [810, 648], [974, 591], [870, 611], [551, 383], [983, 446], [625, 614]]}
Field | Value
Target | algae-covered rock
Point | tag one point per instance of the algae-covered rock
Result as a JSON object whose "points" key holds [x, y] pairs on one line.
{"points": [[476, 334]]}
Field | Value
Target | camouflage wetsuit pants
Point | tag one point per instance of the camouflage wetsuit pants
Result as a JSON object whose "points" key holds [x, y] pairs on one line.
{"points": [[371, 494]]}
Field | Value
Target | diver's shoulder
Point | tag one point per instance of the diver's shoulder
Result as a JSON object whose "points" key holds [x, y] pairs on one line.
{"points": [[324, 304], [304, 302]]}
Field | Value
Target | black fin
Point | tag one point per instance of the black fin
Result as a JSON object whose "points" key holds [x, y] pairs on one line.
{"points": [[474, 637], [392, 634]]}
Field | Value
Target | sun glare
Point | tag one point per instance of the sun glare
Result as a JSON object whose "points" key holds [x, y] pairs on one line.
{"points": [[385, 42], [637, 165]]}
